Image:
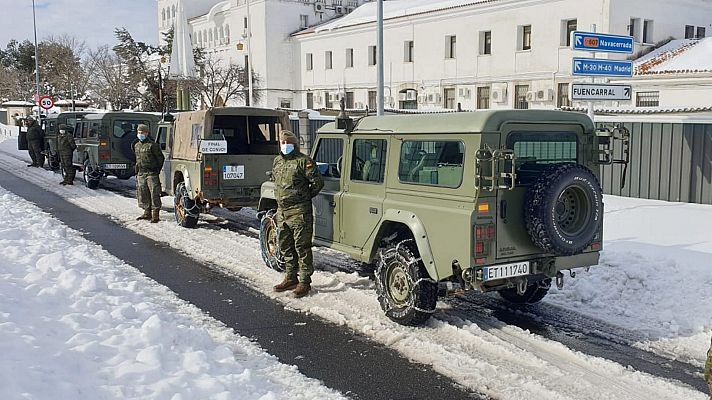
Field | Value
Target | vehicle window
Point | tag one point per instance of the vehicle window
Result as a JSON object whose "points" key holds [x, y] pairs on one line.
{"points": [[94, 128], [78, 130], [543, 147], [328, 157], [162, 136], [264, 129], [124, 127], [71, 121], [51, 126], [368, 161], [436, 163]]}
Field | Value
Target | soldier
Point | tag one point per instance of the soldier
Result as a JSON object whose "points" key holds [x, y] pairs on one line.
{"points": [[296, 181], [708, 370], [149, 161], [65, 148], [35, 142]]}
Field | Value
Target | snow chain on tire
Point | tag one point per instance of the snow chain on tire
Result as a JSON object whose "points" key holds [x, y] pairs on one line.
{"points": [[275, 262]]}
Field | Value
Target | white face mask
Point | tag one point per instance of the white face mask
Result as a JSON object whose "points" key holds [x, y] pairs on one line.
{"points": [[62, 131], [286, 148], [141, 137]]}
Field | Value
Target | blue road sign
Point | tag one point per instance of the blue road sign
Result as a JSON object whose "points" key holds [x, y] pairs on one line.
{"points": [[600, 67], [602, 42]]}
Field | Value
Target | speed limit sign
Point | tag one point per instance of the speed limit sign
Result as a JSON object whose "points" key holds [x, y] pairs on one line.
{"points": [[46, 102]]}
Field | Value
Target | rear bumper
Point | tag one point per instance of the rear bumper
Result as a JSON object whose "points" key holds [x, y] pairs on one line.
{"points": [[232, 198]]}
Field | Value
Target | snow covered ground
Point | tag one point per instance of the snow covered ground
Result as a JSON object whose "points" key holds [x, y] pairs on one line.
{"points": [[651, 280]]}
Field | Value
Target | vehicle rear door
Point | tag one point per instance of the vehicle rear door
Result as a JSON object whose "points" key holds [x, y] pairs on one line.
{"points": [[328, 155], [164, 138]]}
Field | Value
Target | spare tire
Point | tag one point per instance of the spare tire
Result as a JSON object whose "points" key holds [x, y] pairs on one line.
{"points": [[563, 209]]}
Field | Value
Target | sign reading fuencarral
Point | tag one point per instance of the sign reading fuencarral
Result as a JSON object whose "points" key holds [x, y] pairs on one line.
{"points": [[601, 42], [593, 91]]}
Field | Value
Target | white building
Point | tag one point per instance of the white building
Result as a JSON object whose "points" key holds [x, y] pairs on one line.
{"points": [[220, 28], [479, 54]]}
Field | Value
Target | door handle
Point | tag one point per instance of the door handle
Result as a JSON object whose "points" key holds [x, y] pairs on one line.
{"points": [[332, 203]]}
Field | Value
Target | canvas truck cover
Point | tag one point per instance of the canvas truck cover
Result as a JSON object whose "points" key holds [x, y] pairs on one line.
{"points": [[190, 128]]}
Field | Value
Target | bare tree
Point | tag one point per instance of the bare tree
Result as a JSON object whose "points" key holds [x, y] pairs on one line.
{"points": [[111, 81], [221, 82]]}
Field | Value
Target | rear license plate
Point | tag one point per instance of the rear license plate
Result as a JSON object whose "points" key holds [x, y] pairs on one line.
{"points": [[234, 172], [505, 271], [115, 166]]}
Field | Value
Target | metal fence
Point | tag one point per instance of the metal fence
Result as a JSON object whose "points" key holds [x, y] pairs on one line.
{"points": [[669, 161]]}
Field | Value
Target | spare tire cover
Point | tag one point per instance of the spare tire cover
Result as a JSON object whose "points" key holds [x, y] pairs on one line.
{"points": [[563, 209]]}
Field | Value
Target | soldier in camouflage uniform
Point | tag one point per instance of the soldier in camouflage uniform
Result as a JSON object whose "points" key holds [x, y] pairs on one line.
{"points": [[297, 181], [65, 148], [708, 370], [149, 161], [35, 142]]}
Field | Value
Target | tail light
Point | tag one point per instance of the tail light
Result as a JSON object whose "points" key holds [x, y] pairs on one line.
{"points": [[104, 152], [210, 177], [484, 236]]}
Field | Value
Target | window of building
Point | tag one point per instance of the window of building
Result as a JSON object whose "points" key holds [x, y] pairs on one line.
{"points": [[568, 26], [648, 31], [227, 34], [483, 97], [372, 55], [328, 155], [634, 29], [349, 58], [310, 100], [327, 60], [450, 46], [372, 98], [310, 61], [701, 34], [327, 100], [408, 51], [436, 163], [689, 31], [285, 103], [449, 98], [647, 99], [562, 95], [525, 37], [349, 99], [368, 163], [244, 21], [485, 42], [303, 21], [520, 97]]}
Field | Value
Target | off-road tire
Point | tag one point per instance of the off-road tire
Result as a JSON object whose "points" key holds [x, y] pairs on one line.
{"points": [[405, 291], [269, 246], [563, 209], [89, 176], [532, 295], [181, 204]]}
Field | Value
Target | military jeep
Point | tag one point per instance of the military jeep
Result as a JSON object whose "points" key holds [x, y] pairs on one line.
{"points": [[218, 158], [105, 144], [50, 125], [494, 201]]}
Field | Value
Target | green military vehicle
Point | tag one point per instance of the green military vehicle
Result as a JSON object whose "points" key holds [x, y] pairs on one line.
{"points": [[218, 158], [493, 201], [105, 144], [50, 125]]}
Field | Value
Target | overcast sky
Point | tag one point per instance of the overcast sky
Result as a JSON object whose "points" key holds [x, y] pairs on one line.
{"points": [[93, 21]]}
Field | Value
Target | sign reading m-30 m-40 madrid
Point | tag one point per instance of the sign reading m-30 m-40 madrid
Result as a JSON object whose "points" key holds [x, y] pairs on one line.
{"points": [[601, 67], [593, 91], [602, 42]]}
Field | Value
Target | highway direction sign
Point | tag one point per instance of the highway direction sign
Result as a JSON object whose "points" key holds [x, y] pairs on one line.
{"points": [[601, 92], [601, 67], [601, 42]]}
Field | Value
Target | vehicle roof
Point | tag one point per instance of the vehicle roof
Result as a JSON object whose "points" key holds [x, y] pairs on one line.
{"points": [[461, 122], [246, 111], [62, 114], [123, 114]]}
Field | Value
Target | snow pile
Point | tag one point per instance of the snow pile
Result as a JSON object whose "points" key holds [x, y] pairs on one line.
{"points": [[77, 323], [682, 55]]}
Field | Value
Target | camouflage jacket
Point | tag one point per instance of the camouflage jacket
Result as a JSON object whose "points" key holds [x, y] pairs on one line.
{"points": [[149, 157], [34, 133], [66, 144], [296, 181]]}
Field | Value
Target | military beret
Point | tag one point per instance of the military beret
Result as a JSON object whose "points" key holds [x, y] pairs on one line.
{"points": [[62, 126], [288, 136], [143, 128]]}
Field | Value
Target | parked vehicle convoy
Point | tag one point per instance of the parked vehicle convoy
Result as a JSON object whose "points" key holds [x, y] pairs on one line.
{"points": [[50, 125], [104, 144], [218, 158], [494, 201]]}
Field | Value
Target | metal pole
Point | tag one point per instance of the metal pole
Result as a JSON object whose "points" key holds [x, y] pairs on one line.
{"points": [[379, 62], [249, 55], [591, 112], [71, 88], [37, 61]]}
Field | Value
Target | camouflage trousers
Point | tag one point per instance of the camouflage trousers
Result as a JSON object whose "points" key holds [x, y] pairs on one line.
{"points": [[295, 229], [148, 191], [708, 370], [35, 150], [69, 170]]}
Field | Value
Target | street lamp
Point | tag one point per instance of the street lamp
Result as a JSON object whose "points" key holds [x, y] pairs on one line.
{"points": [[37, 62]]}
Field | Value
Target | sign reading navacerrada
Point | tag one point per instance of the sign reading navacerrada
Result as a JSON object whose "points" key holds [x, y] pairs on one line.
{"points": [[601, 42]]}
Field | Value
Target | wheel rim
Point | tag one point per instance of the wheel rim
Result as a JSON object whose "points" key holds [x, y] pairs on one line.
{"points": [[271, 241], [180, 210], [572, 210], [398, 284]]}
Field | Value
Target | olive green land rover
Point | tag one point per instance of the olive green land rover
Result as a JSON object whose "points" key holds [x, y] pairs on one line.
{"points": [[218, 158], [104, 144], [493, 201], [51, 129]]}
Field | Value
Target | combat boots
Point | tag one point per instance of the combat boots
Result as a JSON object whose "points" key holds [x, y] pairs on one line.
{"points": [[146, 215], [301, 290], [155, 214], [287, 284]]}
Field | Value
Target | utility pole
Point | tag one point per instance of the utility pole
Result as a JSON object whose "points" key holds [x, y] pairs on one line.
{"points": [[37, 62], [249, 55], [379, 62], [591, 111]]}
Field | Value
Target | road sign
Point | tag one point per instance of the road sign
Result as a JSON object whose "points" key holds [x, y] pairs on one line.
{"points": [[601, 92], [46, 102], [601, 42], [601, 67]]}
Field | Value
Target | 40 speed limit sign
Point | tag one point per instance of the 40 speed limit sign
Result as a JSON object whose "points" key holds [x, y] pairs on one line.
{"points": [[46, 102]]}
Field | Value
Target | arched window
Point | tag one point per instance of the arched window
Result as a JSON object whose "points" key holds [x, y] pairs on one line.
{"points": [[173, 11], [222, 35], [210, 37], [227, 34], [217, 38], [200, 39], [163, 16]]}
